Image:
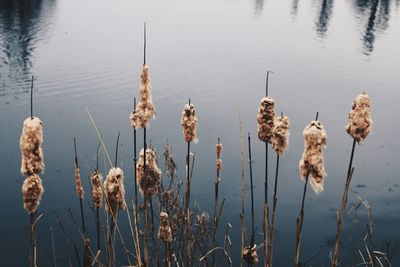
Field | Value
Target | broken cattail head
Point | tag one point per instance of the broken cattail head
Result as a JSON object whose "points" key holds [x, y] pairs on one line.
{"points": [[31, 146], [145, 109], [78, 182], [280, 134], [189, 123], [149, 180], [312, 162], [169, 159], [360, 122], [164, 231], [249, 254], [265, 118], [32, 190], [97, 193], [114, 190]]}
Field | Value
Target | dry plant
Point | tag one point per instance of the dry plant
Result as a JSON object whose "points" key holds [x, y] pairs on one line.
{"points": [[218, 152], [359, 126]]}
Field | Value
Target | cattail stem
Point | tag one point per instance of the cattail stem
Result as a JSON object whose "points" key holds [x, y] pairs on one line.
{"points": [[340, 214], [135, 155], [215, 236], [299, 224], [32, 98], [275, 200], [187, 208], [266, 209], [145, 241], [33, 260], [80, 199], [116, 151], [251, 194], [243, 186], [144, 44]]}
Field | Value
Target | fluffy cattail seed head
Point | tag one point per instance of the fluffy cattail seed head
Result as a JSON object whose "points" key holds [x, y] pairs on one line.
{"points": [[189, 122], [249, 254], [360, 122], [97, 193], [115, 190], [149, 180], [219, 164], [145, 109], [31, 146], [280, 134], [265, 118], [218, 149], [164, 231], [32, 190], [312, 163], [78, 182]]}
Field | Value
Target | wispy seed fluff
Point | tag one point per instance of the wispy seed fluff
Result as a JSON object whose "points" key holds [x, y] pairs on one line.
{"points": [[31, 146], [265, 118], [312, 163], [280, 134], [169, 159], [360, 122], [97, 193], [32, 190], [115, 190], [149, 182], [145, 109], [78, 182], [249, 254], [164, 231], [189, 122]]}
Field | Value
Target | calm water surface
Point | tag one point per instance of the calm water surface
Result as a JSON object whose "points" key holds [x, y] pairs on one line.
{"points": [[89, 54]]}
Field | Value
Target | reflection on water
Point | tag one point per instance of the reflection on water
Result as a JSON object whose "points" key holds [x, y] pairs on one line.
{"points": [[23, 24], [259, 5], [295, 6], [324, 16], [375, 15]]}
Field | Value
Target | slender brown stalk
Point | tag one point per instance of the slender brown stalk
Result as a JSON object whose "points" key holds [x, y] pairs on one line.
{"points": [[187, 207], [299, 226], [275, 201], [217, 180], [79, 190], [34, 260], [341, 211], [32, 98], [251, 193], [243, 187]]}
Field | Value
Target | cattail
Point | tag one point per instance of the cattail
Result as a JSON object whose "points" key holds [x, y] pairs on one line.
{"points": [[249, 254], [203, 218], [115, 190], [360, 122], [32, 191], [31, 146], [219, 164], [97, 193], [145, 109], [280, 134], [189, 122], [149, 182], [265, 119], [218, 149], [312, 163], [78, 182], [164, 232], [169, 159]]}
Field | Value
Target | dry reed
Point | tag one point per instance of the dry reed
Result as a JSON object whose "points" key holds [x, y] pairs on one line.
{"points": [[164, 231], [114, 191], [149, 179], [97, 193]]}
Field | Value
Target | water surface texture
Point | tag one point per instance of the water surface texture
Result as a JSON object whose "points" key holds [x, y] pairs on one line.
{"points": [[89, 54]]}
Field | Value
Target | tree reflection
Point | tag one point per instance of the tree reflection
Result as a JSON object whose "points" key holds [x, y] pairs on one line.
{"points": [[325, 14]]}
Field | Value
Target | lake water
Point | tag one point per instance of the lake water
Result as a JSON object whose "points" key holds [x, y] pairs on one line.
{"points": [[89, 54]]}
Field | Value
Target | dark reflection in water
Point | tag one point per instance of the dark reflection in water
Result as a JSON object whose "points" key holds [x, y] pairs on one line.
{"points": [[259, 6], [295, 7], [23, 24], [325, 14], [375, 15]]}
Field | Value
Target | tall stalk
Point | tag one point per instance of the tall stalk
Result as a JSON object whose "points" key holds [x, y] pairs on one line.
{"points": [[80, 199], [275, 200], [215, 232], [243, 187], [251, 194]]}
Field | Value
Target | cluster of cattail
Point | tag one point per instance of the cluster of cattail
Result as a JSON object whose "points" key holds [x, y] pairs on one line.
{"points": [[164, 231], [32, 162], [149, 179], [145, 109], [280, 134], [78, 182], [360, 122], [218, 151], [97, 192], [249, 254], [265, 118], [189, 122], [115, 190], [311, 164]]}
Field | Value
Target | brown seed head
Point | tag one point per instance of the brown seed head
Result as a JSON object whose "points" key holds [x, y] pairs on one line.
{"points": [[249, 254], [114, 190], [164, 231], [280, 134], [360, 121], [78, 182], [312, 163], [31, 146], [149, 182], [219, 164], [189, 123], [97, 193], [265, 118], [218, 149], [145, 109], [32, 191]]}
